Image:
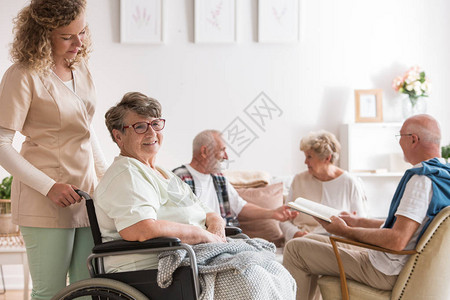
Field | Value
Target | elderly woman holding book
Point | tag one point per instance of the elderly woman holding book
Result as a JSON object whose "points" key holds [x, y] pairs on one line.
{"points": [[324, 183]]}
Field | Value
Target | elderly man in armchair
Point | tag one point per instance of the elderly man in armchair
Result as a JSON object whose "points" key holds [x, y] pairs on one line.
{"points": [[422, 192], [204, 177], [137, 200]]}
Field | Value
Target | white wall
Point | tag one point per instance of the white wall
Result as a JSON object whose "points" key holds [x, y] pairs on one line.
{"points": [[346, 45]]}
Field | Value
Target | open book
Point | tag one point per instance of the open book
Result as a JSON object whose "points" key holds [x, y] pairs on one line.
{"points": [[314, 209]]}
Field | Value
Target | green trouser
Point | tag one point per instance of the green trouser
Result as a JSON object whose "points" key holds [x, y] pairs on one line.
{"points": [[52, 254]]}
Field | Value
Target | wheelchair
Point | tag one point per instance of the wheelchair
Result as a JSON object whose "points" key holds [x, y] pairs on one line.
{"points": [[139, 285]]}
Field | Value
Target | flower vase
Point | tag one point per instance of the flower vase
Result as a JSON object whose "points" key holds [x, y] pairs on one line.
{"points": [[413, 106]]}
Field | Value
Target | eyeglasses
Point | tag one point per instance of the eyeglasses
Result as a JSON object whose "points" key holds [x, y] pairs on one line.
{"points": [[142, 127], [398, 136]]}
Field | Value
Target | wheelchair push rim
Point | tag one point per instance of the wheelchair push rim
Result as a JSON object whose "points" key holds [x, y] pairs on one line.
{"points": [[99, 288]]}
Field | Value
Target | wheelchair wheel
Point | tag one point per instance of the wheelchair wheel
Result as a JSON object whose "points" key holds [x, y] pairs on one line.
{"points": [[99, 288]]}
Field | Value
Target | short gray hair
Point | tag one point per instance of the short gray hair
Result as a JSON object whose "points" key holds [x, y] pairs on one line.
{"points": [[204, 138], [323, 143], [425, 127], [133, 101]]}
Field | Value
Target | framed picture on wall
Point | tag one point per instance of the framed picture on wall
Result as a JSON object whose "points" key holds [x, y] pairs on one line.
{"points": [[215, 21], [141, 21], [369, 105], [278, 21]]}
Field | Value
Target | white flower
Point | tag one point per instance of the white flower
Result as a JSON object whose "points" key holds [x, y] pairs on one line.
{"points": [[412, 76], [409, 87], [426, 87], [418, 90]]}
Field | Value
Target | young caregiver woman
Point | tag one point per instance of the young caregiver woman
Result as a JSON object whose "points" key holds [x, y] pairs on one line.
{"points": [[48, 95]]}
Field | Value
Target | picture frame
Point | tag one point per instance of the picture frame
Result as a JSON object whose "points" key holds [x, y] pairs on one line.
{"points": [[141, 21], [369, 105], [278, 21], [215, 21]]}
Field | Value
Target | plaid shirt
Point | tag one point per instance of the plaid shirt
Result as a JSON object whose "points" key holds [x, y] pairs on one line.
{"points": [[220, 185]]}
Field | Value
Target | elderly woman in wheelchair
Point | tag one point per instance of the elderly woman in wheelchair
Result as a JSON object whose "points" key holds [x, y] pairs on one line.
{"points": [[137, 201]]}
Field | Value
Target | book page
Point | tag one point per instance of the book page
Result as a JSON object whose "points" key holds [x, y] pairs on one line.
{"points": [[314, 209]]}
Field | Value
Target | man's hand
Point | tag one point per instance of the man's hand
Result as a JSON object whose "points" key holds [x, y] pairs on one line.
{"points": [[349, 218], [337, 225], [284, 213], [63, 194]]}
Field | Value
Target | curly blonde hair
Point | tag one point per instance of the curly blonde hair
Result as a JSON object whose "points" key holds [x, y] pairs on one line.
{"points": [[323, 143], [32, 32]]}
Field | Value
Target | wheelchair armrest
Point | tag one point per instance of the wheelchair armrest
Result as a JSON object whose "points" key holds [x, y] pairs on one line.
{"points": [[122, 245], [229, 230], [160, 242]]}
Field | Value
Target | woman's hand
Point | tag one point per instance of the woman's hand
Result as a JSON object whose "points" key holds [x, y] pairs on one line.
{"points": [[300, 234], [216, 225], [63, 194], [219, 230]]}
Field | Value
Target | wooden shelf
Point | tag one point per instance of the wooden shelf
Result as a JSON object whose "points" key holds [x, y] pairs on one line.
{"points": [[371, 152]]}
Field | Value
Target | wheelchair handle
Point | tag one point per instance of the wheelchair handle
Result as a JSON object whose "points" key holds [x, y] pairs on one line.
{"points": [[83, 194]]}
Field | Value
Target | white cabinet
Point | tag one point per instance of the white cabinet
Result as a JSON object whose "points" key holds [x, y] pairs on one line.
{"points": [[371, 151]]}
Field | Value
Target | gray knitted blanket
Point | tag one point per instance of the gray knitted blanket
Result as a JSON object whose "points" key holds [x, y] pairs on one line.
{"points": [[237, 270]]}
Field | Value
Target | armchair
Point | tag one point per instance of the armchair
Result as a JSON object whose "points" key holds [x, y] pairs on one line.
{"points": [[425, 276]]}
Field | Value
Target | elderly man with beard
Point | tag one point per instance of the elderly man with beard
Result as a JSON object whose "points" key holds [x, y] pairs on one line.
{"points": [[204, 177]]}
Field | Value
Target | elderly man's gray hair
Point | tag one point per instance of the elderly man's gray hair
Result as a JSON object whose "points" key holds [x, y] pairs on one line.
{"points": [[205, 138], [428, 129]]}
